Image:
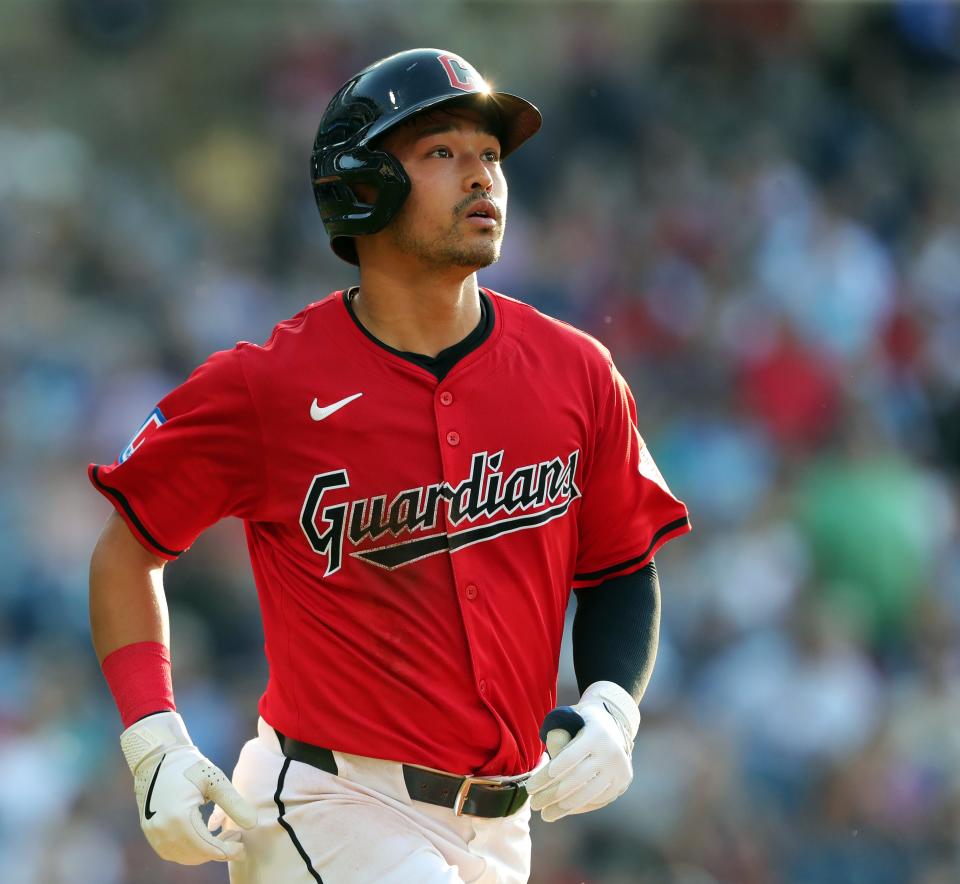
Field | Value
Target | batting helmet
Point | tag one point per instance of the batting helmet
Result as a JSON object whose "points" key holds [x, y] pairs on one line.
{"points": [[369, 105]]}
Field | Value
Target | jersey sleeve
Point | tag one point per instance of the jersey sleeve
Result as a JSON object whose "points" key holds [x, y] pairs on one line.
{"points": [[197, 458], [627, 512]]}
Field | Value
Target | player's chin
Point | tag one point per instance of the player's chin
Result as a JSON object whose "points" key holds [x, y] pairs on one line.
{"points": [[482, 251], [478, 258], [472, 255]]}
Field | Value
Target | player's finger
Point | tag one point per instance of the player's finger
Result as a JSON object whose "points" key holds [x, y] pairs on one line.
{"points": [[572, 805], [217, 819], [233, 837], [219, 848], [539, 777], [185, 840], [612, 795], [560, 809], [552, 813], [544, 779], [585, 793], [543, 798], [234, 805], [230, 846], [574, 753], [560, 791], [538, 780]]}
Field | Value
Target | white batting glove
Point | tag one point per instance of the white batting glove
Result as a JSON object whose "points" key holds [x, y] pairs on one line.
{"points": [[594, 767], [172, 780]]}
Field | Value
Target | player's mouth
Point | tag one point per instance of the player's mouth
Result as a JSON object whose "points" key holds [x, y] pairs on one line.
{"points": [[483, 214]]}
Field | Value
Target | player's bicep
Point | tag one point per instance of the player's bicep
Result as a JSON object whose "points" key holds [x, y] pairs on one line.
{"points": [[118, 542]]}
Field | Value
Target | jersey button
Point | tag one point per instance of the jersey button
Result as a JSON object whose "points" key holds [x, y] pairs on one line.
{"points": [[482, 686], [471, 592], [446, 397], [453, 437]]}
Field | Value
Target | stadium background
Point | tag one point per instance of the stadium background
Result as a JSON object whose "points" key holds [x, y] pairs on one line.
{"points": [[756, 206]]}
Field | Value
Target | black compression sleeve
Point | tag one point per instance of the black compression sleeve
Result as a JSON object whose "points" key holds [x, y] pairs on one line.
{"points": [[616, 629]]}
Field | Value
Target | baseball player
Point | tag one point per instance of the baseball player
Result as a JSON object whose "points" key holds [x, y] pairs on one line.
{"points": [[425, 469]]}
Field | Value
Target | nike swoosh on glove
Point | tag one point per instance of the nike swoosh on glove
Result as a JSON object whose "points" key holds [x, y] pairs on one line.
{"points": [[595, 767], [172, 780]]}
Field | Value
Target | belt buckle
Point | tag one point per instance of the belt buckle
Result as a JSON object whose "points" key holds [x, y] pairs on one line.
{"points": [[464, 790]]}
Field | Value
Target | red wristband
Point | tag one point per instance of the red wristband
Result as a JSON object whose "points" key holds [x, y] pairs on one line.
{"points": [[140, 679]]}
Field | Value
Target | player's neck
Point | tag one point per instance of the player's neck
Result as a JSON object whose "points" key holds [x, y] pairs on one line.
{"points": [[423, 315]]}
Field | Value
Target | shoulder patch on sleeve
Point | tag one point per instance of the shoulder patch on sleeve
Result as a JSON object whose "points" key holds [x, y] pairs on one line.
{"points": [[648, 468], [147, 429]]}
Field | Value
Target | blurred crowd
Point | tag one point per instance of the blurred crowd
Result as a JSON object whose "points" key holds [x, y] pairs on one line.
{"points": [[754, 205]]}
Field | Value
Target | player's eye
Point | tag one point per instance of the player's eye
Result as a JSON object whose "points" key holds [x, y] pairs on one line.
{"points": [[491, 156], [443, 152]]}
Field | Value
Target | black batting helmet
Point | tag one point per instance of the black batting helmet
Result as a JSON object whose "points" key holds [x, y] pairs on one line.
{"points": [[369, 105]]}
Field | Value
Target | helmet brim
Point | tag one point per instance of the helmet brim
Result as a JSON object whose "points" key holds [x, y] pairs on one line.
{"points": [[516, 118]]}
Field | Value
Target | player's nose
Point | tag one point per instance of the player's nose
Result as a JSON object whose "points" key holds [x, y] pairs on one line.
{"points": [[478, 176]]}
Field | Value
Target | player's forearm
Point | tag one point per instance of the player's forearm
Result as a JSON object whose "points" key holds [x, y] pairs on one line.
{"points": [[616, 631], [127, 603]]}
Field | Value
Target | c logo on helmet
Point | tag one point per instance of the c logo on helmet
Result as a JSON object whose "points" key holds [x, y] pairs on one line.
{"points": [[459, 75]]}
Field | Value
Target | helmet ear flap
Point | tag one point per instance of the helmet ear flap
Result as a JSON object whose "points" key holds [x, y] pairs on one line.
{"points": [[339, 178]]}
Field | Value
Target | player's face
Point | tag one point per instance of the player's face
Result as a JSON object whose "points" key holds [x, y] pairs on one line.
{"points": [[457, 207]]}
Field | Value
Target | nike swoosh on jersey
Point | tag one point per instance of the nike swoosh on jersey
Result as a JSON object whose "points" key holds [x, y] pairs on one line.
{"points": [[320, 412], [147, 813]]}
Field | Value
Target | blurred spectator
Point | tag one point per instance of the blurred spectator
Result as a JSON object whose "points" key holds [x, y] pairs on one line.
{"points": [[753, 205]]}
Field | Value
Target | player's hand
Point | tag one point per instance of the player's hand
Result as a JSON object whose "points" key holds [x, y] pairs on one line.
{"points": [[593, 768], [172, 780]]}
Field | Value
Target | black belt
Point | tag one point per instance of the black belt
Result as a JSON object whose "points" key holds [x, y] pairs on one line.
{"points": [[476, 796]]}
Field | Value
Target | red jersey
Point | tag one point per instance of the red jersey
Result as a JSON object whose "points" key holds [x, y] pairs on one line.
{"points": [[414, 542]]}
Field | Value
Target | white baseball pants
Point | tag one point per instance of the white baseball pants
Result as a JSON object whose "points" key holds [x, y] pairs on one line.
{"points": [[361, 827]]}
